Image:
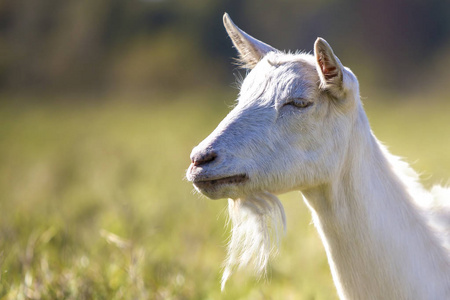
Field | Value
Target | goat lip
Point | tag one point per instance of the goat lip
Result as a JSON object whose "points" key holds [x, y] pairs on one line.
{"points": [[204, 183]]}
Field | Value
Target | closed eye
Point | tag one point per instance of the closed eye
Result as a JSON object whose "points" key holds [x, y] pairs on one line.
{"points": [[299, 103]]}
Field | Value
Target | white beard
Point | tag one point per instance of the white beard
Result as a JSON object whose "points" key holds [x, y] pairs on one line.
{"points": [[258, 221]]}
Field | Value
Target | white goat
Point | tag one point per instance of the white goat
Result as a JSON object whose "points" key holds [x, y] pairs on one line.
{"points": [[299, 125]]}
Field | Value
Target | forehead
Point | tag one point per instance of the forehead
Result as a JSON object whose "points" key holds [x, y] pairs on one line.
{"points": [[279, 76]]}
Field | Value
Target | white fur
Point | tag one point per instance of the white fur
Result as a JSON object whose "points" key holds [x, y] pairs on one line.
{"points": [[385, 236], [257, 223]]}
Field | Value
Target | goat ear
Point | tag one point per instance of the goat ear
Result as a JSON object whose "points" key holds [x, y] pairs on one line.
{"points": [[251, 51], [328, 66]]}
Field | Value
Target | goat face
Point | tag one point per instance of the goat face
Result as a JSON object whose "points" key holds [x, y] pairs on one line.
{"points": [[289, 129]]}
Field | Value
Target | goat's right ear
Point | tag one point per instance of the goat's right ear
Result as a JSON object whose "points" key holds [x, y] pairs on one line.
{"points": [[329, 67], [250, 50]]}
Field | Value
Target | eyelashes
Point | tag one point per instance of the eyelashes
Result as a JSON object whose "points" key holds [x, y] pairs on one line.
{"points": [[299, 103]]}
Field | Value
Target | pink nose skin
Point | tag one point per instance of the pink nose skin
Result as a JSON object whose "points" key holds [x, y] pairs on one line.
{"points": [[203, 158]]}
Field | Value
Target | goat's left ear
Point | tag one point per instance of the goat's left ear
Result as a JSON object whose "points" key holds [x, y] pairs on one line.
{"points": [[329, 67], [250, 50]]}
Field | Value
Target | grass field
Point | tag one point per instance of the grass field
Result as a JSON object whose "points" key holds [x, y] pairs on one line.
{"points": [[94, 204]]}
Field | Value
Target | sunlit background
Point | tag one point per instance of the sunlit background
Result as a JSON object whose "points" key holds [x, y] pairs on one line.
{"points": [[102, 101]]}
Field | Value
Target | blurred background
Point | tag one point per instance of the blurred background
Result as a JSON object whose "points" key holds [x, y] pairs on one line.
{"points": [[102, 101]]}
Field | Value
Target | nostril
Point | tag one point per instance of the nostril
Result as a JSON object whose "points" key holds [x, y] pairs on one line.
{"points": [[203, 158]]}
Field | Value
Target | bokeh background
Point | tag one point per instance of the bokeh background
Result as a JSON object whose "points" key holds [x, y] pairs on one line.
{"points": [[101, 102]]}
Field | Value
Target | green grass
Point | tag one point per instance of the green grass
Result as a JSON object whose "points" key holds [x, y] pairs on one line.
{"points": [[94, 205]]}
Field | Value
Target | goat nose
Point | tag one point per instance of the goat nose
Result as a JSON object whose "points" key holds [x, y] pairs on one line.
{"points": [[202, 158]]}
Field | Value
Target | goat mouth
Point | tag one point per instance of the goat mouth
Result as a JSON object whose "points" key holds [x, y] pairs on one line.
{"points": [[209, 183]]}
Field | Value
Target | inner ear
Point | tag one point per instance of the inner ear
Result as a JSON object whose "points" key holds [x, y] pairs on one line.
{"points": [[328, 68]]}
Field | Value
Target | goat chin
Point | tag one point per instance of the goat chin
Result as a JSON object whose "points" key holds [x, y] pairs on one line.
{"points": [[258, 221]]}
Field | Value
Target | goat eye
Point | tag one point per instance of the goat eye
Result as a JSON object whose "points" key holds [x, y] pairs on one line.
{"points": [[299, 103]]}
